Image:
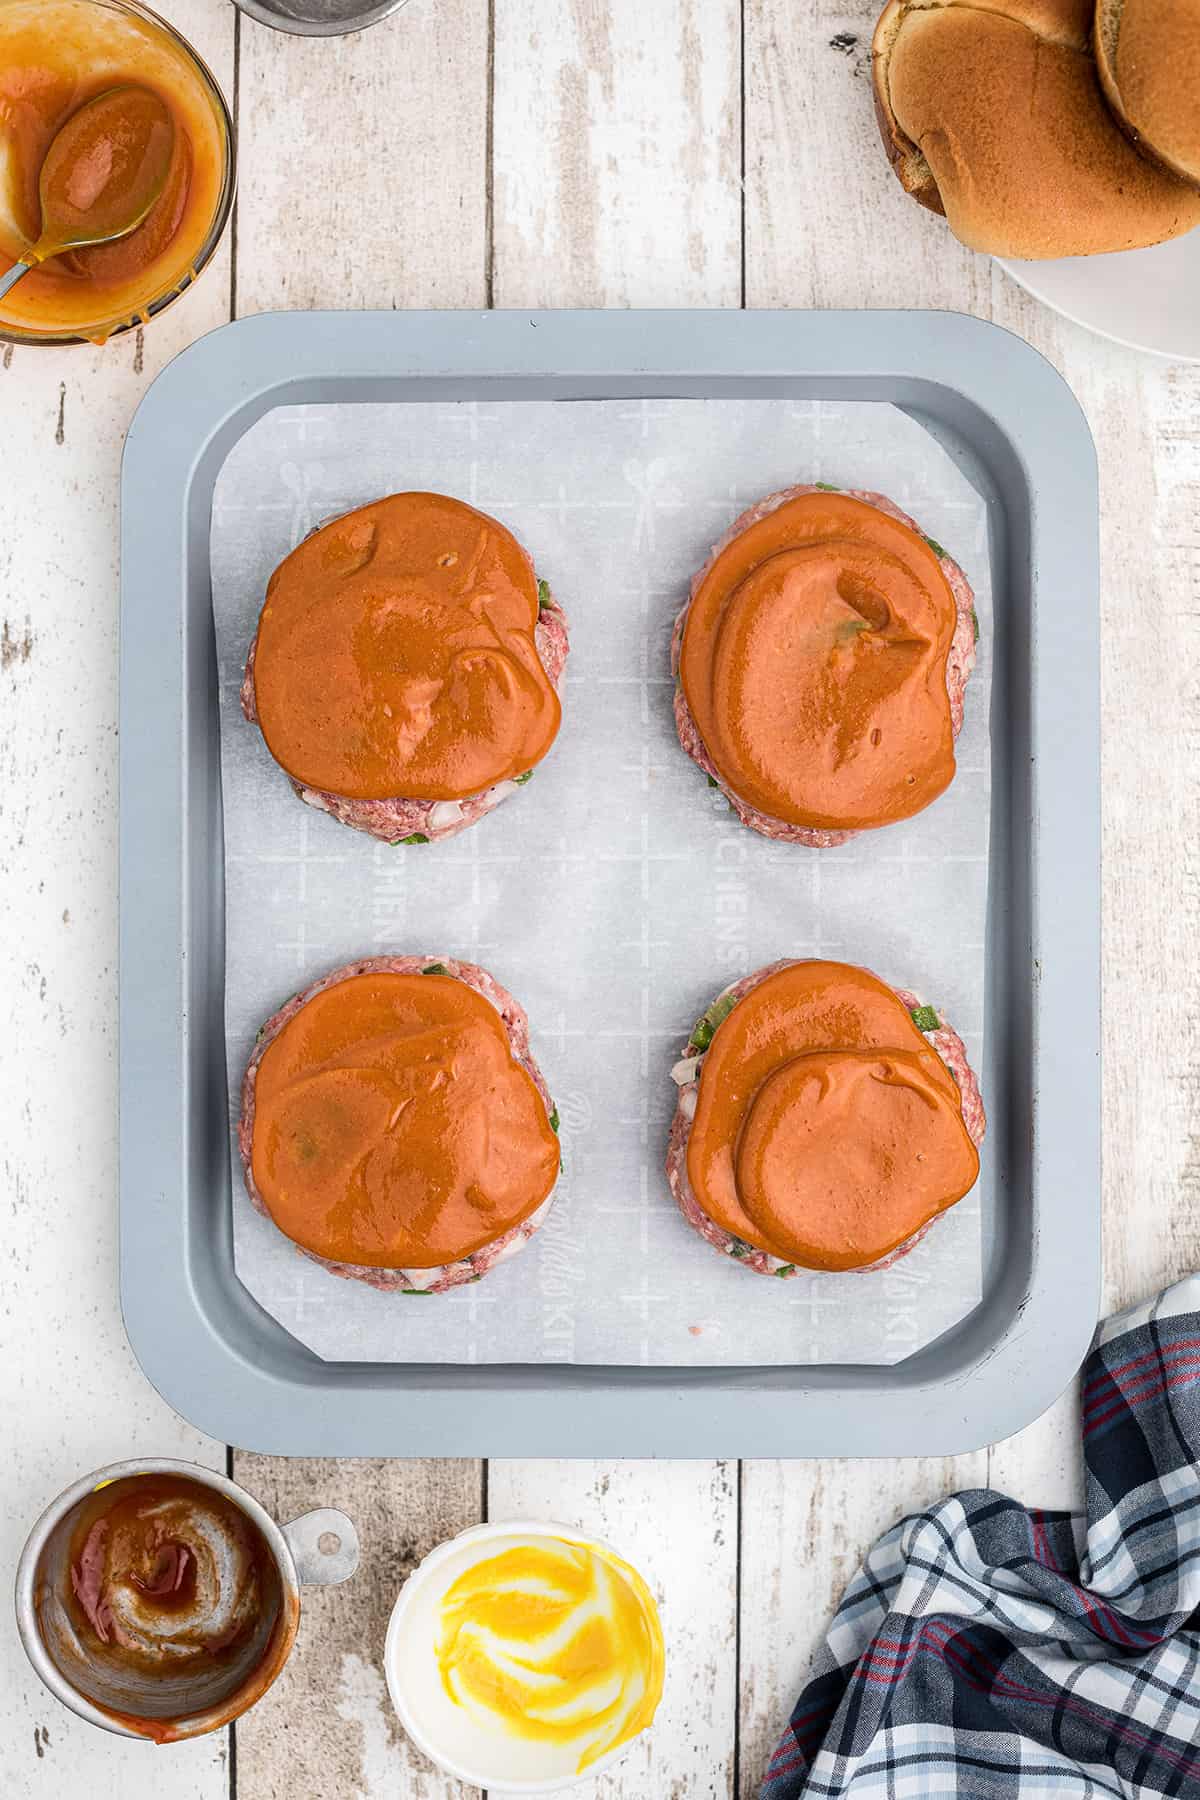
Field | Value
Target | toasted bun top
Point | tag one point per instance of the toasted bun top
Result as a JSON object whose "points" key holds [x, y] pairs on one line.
{"points": [[1148, 54], [992, 112]]}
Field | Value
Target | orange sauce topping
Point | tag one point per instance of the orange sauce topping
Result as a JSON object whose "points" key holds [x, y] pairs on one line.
{"points": [[393, 1127], [56, 55], [814, 664], [827, 1130], [396, 657]]}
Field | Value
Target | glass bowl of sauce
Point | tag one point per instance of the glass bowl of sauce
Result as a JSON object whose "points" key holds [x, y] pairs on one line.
{"points": [[55, 56]]}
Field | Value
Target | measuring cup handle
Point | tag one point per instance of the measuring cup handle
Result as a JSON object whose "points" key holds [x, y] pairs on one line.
{"points": [[324, 1547]]}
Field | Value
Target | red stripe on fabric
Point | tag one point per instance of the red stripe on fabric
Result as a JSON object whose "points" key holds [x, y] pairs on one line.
{"points": [[1160, 1387], [1179, 1348], [1134, 1393], [1004, 1684], [940, 1638], [1041, 1542], [1046, 1556], [776, 1769], [1125, 1634], [806, 1720], [1128, 1633]]}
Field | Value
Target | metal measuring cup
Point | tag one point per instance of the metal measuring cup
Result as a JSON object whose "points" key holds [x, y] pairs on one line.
{"points": [[318, 1549]]}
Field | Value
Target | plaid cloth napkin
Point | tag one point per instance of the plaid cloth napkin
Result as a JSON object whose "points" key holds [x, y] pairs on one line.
{"points": [[988, 1651]]}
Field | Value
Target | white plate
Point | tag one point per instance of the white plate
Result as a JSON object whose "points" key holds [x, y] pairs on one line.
{"points": [[1145, 299]]}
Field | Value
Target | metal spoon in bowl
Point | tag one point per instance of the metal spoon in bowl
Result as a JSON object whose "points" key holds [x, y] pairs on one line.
{"points": [[105, 168]]}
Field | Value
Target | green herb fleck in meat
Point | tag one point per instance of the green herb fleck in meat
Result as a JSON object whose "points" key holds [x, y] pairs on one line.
{"points": [[975, 623], [522, 779], [933, 545], [827, 487], [712, 781], [706, 1024], [925, 1019], [740, 1250], [417, 1293], [554, 1118], [435, 969], [415, 837], [543, 595], [786, 1269]]}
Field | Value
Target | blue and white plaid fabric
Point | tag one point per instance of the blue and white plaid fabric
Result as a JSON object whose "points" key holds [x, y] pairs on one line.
{"points": [[987, 1651]]}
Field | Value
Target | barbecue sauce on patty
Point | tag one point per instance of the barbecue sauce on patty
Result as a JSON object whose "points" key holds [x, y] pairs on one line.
{"points": [[814, 660], [827, 1131], [393, 1127], [396, 655]]}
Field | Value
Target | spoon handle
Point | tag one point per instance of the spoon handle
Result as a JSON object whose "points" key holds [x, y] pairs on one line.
{"points": [[11, 277]]}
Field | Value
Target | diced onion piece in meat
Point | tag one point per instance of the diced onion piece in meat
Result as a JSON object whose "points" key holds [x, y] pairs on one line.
{"points": [[444, 815]]}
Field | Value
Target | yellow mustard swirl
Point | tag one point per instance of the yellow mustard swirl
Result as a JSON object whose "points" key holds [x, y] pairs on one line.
{"points": [[554, 1641]]}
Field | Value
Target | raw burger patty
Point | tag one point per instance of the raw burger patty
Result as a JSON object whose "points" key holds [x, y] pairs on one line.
{"points": [[427, 820], [516, 1024], [944, 1040], [959, 663]]}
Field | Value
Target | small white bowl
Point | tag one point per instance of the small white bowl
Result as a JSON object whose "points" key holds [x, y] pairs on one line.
{"points": [[410, 1594]]}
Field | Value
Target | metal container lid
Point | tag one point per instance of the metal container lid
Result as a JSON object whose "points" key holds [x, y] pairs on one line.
{"points": [[319, 18]]}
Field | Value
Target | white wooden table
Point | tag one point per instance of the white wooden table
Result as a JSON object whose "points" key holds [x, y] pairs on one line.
{"points": [[532, 153]]}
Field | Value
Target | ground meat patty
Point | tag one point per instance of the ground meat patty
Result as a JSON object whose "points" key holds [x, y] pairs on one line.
{"points": [[686, 1075], [959, 663], [399, 820], [449, 1275]]}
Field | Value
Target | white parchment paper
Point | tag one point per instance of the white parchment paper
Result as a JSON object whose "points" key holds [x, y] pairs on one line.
{"points": [[615, 894]]}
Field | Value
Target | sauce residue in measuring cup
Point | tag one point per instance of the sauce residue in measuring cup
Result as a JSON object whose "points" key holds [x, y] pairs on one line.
{"points": [[167, 1604], [55, 56]]}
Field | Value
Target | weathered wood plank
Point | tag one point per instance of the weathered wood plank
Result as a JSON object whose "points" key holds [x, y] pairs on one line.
{"points": [[617, 153], [363, 163], [70, 1382], [1145, 417], [677, 1523], [1149, 448], [616, 164], [1042, 1465], [328, 1727], [805, 1528], [396, 217], [827, 223]]}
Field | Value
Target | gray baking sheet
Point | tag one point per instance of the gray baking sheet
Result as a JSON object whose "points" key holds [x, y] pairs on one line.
{"points": [[616, 893]]}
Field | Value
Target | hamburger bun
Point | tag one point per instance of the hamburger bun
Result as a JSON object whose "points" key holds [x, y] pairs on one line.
{"points": [[992, 113], [1148, 55]]}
